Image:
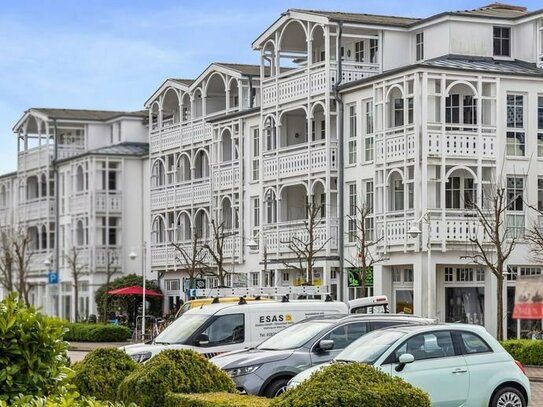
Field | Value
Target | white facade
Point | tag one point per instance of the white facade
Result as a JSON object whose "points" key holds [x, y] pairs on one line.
{"points": [[423, 113], [81, 182]]}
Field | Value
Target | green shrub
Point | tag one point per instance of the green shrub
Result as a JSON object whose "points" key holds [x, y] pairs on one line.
{"points": [[33, 358], [101, 372], [353, 384], [526, 351], [215, 400], [177, 371], [97, 333]]}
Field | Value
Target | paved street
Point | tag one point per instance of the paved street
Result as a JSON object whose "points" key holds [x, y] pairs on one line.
{"points": [[76, 355]]}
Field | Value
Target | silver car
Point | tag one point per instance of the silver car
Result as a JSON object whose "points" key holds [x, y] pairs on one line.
{"points": [[267, 369]]}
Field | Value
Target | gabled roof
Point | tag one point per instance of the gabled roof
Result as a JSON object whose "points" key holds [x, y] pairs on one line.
{"points": [[183, 84], [361, 18], [495, 10], [244, 69], [186, 82], [85, 114]]}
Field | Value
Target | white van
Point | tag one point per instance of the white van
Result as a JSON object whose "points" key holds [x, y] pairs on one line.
{"points": [[217, 328]]}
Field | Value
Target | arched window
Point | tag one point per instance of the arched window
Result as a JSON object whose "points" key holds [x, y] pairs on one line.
{"points": [[461, 105], [32, 188], [183, 229], [270, 134], [159, 230], [158, 175], [183, 169], [270, 201], [226, 146], [226, 213], [201, 224], [234, 94], [201, 165], [80, 233], [215, 94], [170, 108], [80, 179]]}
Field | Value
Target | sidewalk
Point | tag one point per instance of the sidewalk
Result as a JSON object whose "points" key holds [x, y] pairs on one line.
{"points": [[535, 373], [90, 346]]}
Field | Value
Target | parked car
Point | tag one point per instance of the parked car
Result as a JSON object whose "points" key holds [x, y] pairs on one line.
{"points": [[456, 364], [266, 369]]}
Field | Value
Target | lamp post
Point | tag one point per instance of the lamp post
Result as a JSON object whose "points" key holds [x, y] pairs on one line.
{"points": [[415, 231], [252, 244], [133, 255]]}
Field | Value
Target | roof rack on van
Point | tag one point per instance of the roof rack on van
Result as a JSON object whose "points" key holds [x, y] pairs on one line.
{"points": [[304, 290]]}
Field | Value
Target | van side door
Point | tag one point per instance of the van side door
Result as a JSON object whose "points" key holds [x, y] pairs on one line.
{"points": [[223, 333]]}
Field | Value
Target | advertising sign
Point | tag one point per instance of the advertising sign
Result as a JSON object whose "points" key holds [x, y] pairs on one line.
{"points": [[528, 297]]}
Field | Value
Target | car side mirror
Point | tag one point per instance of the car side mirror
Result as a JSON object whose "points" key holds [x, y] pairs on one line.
{"points": [[404, 360], [201, 340], [325, 345]]}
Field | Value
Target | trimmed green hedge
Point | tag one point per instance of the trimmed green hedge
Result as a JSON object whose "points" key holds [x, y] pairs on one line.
{"points": [[353, 384], [214, 400], [101, 372], [97, 333], [177, 371], [526, 351]]}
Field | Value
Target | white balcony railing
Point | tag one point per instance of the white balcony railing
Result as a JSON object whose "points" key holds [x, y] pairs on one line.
{"points": [[226, 176], [37, 209], [394, 145], [278, 236], [299, 160], [104, 255], [109, 202], [175, 135], [462, 143], [42, 156], [186, 193]]}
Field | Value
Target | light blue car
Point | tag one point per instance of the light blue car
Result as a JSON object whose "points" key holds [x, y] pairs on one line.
{"points": [[458, 365]]}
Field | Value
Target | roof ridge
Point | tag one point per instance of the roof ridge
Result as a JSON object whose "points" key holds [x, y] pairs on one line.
{"points": [[235, 63], [503, 6], [84, 110], [354, 12]]}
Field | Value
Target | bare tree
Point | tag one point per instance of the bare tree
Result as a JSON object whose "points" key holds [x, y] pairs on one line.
{"points": [[216, 251], [7, 262], [494, 245], [110, 271], [192, 258], [22, 254], [306, 246], [77, 270], [362, 236]]}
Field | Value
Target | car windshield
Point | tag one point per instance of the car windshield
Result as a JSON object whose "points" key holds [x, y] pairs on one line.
{"points": [[369, 347], [294, 336], [181, 329]]}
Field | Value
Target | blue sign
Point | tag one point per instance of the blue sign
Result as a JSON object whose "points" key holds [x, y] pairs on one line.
{"points": [[53, 277]]}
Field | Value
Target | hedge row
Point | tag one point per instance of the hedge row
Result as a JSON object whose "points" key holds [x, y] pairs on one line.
{"points": [[526, 351], [214, 400], [97, 333]]}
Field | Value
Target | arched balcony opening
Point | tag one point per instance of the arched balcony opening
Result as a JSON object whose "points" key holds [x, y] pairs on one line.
{"points": [[201, 224], [197, 104], [185, 108], [43, 185], [226, 146], [183, 228], [318, 44], [270, 206], [170, 108], [80, 184], [158, 174], [154, 116], [293, 45], [318, 124], [293, 203], [397, 114], [201, 165], [268, 59], [227, 217], [293, 128], [233, 94], [460, 190], [34, 236], [461, 107], [183, 171], [318, 199], [396, 192], [215, 94], [270, 134], [80, 234], [158, 230], [32, 188]]}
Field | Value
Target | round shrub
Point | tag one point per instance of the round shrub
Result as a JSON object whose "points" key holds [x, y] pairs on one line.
{"points": [[177, 371], [97, 333], [101, 372], [33, 356], [353, 384]]}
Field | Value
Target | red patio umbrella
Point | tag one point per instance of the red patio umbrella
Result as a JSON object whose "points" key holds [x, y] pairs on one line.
{"points": [[134, 290]]}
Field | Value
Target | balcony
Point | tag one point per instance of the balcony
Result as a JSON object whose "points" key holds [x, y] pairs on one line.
{"points": [[42, 156], [463, 143], [393, 227], [108, 202], [6, 217], [37, 262], [37, 209], [226, 176], [279, 235], [296, 84], [179, 134], [299, 160], [185, 193], [104, 255], [395, 145]]}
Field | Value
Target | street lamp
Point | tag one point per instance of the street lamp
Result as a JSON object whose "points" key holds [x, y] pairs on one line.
{"points": [[252, 244], [133, 255], [415, 231]]}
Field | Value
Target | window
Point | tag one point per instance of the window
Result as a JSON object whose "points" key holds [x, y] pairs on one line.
{"points": [[112, 231], [469, 110], [540, 126], [368, 156], [448, 274], [374, 49], [351, 227], [369, 117], [256, 153], [323, 129], [419, 45], [470, 193], [172, 284], [464, 274], [472, 343], [398, 195], [515, 226], [515, 188], [225, 330], [428, 345], [359, 51], [344, 335], [452, 193], [452, 109], [255, 203], [398, 112], [407, 275], [516, 143], [112, 176], [502, 41], [352, 135], [540, 194], [369, 194], [255, 279]]}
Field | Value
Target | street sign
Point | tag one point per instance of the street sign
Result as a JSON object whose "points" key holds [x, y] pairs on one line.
{"points": [[200, 283], [52, 277]]}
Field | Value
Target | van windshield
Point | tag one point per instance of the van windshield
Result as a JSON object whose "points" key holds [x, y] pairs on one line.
{"points": [[294, 336], [181, 329]]}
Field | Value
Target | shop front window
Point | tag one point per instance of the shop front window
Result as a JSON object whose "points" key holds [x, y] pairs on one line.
{"points": [[404, 302], [465, 304]]}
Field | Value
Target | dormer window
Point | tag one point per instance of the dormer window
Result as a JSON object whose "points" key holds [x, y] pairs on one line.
{"points": [[419, 46], [502, 41]]}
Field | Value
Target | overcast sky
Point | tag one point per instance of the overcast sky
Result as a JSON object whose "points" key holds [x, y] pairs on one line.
{"points": [[114, 54]]}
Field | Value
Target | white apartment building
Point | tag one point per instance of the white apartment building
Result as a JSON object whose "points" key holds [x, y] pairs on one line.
{"points": [[81, 182], [412, 117]]}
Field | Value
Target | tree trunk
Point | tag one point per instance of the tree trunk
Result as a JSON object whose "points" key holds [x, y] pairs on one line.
{"points": [[499, 313], [76, 301]]}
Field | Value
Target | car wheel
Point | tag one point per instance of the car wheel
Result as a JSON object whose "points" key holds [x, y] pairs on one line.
{"points": [[508, 397], [276, 387]]}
